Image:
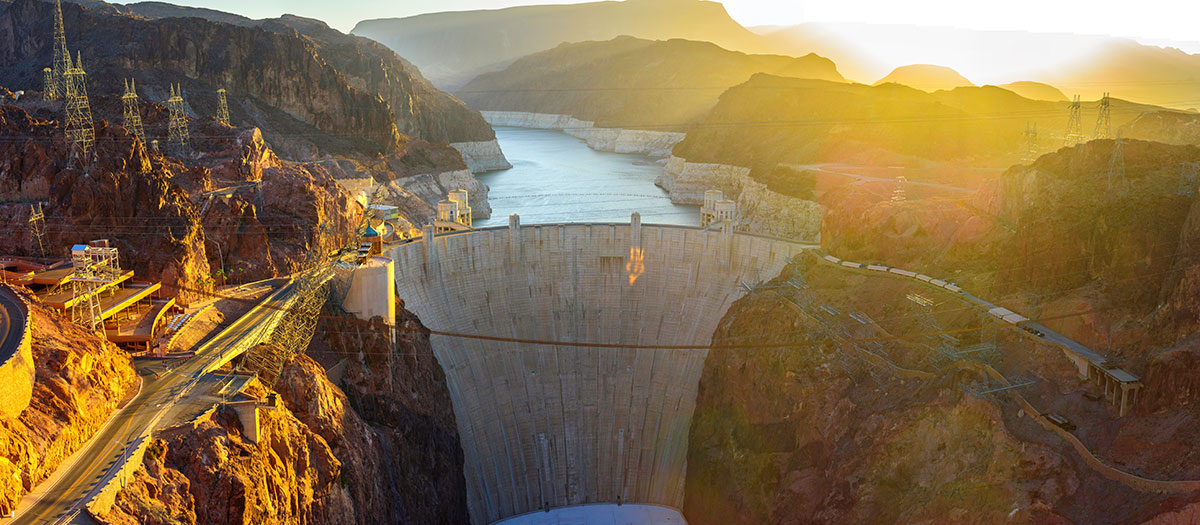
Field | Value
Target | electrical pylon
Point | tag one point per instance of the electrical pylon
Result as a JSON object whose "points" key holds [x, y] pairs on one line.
{"points": [[177, 129], [133, 117], [898, 194], [222, 107], [80, 132], [49, 89], [1074, 133], [1104, 120], [1116, 166], [62, 58], [37, 227], [1030, 149]]}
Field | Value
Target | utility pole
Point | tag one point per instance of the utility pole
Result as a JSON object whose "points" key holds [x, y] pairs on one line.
{"points": [[1074, 133], [177, 130], [222, 107], [1104, 120], [80, 132], [133, 117], [62, 58]]}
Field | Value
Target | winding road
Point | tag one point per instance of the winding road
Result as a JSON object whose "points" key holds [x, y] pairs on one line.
{"points": [[12, 323], [81, 475]]}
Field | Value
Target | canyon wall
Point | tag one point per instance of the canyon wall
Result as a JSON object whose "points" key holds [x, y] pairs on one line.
{"points": [[641, 142], [381, 448], [16, 368], [482, 156], [759, 209], [548, 426], [80, 380]]}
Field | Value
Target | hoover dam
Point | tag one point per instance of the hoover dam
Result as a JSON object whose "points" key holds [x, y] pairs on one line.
{"points": [[545, 426]]}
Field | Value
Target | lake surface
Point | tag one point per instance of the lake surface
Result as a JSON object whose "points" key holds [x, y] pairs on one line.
{"points": [[557, 178]]}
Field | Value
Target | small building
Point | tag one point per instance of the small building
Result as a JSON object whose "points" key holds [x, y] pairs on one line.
{"points": [[454, 213]]}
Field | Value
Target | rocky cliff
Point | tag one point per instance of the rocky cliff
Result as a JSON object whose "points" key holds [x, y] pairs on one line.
{"points": [[1171, 127], [161, 213], [771, 120], [616, 140], [312, 90], [820, 433], [80, 381], [760, 208], [382, 448], [631, 83]]}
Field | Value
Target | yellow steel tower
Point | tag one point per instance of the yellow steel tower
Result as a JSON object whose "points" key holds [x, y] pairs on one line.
{"points": [[80, 132], [62, 58], [222, 107], [177, 129], [133, 117]]}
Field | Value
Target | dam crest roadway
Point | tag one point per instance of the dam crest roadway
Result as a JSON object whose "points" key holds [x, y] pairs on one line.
{"points": [[546, 426]]}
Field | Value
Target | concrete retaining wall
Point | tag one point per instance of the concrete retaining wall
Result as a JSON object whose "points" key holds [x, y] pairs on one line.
{"points": [[17, 370], [104, 498], [547, 425]]}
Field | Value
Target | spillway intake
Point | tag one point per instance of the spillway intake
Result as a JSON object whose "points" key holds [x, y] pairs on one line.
{"points": [[547, 426]]}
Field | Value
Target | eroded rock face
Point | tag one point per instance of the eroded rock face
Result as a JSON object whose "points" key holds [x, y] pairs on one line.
{"points": [[80, 380], [160, 212], [383, 451]]}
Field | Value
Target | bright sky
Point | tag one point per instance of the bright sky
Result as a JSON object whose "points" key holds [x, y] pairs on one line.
{"points": [[1161, 22]]}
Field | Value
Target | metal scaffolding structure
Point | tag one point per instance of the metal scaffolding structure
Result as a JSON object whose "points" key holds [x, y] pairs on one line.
{"points": [[133, 117], [79, 128], [177, 128], [1074, 134], [93, 268], [222, 107]]}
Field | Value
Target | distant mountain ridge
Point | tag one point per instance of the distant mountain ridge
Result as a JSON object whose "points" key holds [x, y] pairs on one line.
{"points": [[451, 48], [630, 82], [926, 77]]}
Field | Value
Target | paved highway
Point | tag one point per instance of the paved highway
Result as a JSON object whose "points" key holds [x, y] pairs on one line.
{"points": [[825, 168], [12, 323], [64, 492]]}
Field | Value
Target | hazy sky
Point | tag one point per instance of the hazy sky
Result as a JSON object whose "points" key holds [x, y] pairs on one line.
{"points": [[1151, 21]]}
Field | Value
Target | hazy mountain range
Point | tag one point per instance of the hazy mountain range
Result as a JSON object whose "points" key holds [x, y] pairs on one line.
{"points": [[452, 48]]}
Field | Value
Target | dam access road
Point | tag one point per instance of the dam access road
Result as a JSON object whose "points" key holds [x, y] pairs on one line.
{"points": [[60, 498]]}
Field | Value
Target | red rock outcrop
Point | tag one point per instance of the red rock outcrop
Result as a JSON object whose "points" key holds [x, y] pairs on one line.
{"points": [[384, 451], [80, 380]]}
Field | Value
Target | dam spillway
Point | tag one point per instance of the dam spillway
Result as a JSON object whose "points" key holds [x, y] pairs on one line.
{"points": [[547, 426]]}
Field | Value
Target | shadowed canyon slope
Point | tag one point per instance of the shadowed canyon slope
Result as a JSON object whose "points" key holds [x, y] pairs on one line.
{"points": [[630, 83], [310, 89], [453, 47]]}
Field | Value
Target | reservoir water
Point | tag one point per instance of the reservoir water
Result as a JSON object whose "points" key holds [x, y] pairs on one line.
{"points": [[557, 178]]}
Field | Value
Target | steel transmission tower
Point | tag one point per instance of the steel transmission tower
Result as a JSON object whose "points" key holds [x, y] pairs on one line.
{"points": [[1104, 120], [62, 58], [1074, 133], [49, 89], [133, 117], [1116, 166], [80, 132], [222, 107], [177, 130], [37, 226], [1030, 150]]}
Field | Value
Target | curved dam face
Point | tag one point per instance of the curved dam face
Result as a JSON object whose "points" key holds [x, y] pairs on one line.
{"points": [[546, 426]]}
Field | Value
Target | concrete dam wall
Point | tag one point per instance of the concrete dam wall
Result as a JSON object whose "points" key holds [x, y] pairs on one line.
{"points": [[545, 426]]}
